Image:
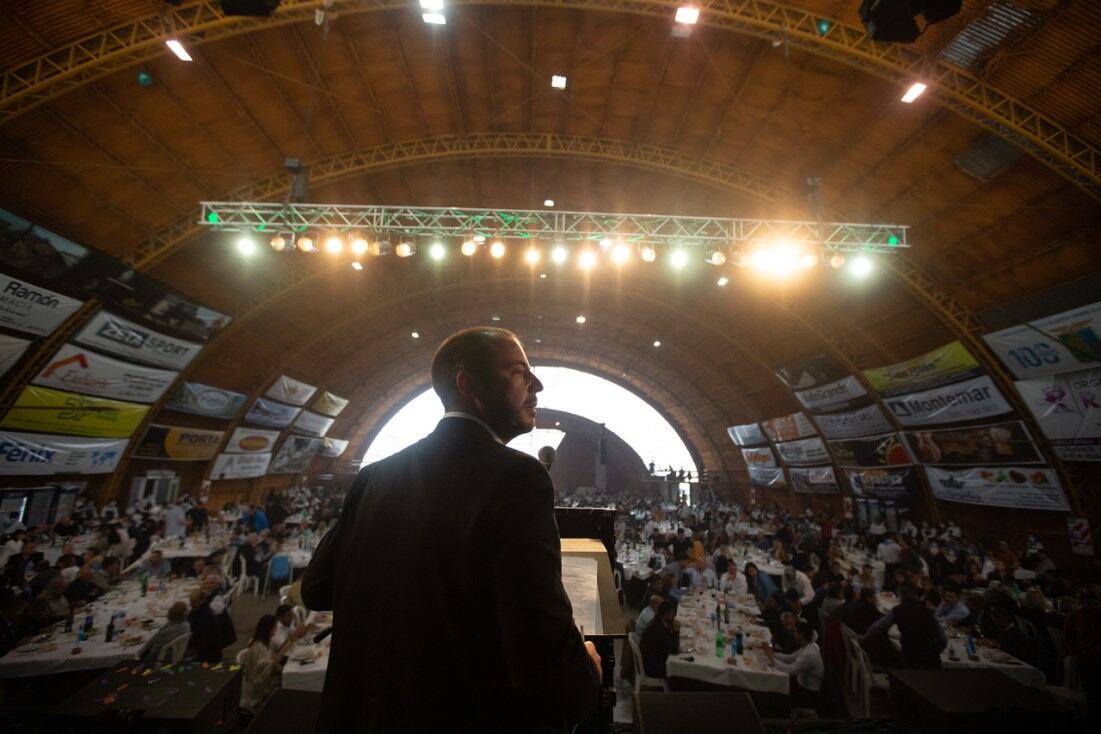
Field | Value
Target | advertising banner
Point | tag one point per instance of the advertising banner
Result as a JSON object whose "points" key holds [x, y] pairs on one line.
{"points": [[839, 392], [34, 454], [811, 372], [328, 404], [290, 391], [1000, 443], [39, 253], [805, 452], [312, 423], [788, 427], [11, 349], [814, 480], [1061, 343], [898, 485], [865, 421], [252, 441], [134, 341], [1026, 488], [749, 434], [1078, 449], [270, 413], [31, 308], [950, 363], [81, 370], [294, 455], [199, 399], [885, 450], [153, 303], [1081, 539], [1066, 406], [759, 457], [960, 401], [332, 447], [763, 478], [240, 466], [53, 411], [179, 444]]}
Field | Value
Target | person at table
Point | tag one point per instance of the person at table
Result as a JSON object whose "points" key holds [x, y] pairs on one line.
{"points": [[1001, 575], [195, 569], [83, 589], [794, 579], [1013, 635], [890, 553], [647, 615], [951, 611], [804, 664], [66, 528], [861, 612], [699, 575], [759, 584], [660, 640], [474, 523], [922, 637], [56, 606], [783, 635], [207, 629], [263, 663], [733, 582], [11, 524], [109, 574], [13, 627], [680, 546], [175, 521], [198, 516], [176, 626], [1082, 635], [284, 617], [156, 565]]}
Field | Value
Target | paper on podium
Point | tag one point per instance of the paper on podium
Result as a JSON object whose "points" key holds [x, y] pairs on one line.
{"points": [[579, 579]]}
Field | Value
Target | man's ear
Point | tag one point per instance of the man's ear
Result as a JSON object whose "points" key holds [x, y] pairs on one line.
{"points": [[467, 385]]}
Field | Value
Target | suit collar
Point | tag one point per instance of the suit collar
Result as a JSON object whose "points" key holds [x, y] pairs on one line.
{"points": [[459, 420]]}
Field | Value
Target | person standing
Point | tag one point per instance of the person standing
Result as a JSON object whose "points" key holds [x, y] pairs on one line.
{"points": [[477, 633]]}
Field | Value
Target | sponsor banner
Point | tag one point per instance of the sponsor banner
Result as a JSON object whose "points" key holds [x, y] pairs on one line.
{"points": [[749, 434], [1067, 405], [53, 411], [32, 308], [332, 447], [764, 478], [240, 466], [42, 254], [810, 372], [290, 391], [179, 444], [960, 401], [34, 454], [759, 457], [839, 392], [814, 480], [1026, 488], [81, 370], [199, 399], [294, 455], [788, 427], [270, 413], [807, 451], [1078, 449], [312, 423], [252, 441], [1060, 343], [885, 450], [865, 421], [151, 302], [11, 349], [126, 338], [898, 485], [950, 363], [1081, 539], [328, 404], [1000, 443]]}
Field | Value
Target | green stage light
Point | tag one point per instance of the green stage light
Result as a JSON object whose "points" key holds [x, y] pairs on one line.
{"points": [[823, 26], [892, 241], [212, 218]]}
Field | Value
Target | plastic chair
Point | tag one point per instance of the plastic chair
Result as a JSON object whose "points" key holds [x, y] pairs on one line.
{"points": [[641, 679], [240, 657], [852, 669], [283, 591], [174, 651], [300, 614], [245, 580], [868, 678], [279, 570]]}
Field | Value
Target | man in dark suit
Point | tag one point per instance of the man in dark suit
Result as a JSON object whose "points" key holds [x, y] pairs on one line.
{"points": [[474, 632]]}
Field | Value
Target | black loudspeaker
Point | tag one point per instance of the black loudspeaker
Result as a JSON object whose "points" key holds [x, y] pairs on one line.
{"points": [[699, 713], [253, 8], [889, 20]]}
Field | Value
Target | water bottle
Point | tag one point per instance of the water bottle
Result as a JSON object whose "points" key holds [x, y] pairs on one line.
{"points": [[970, 645], [144, 580], [110, 630], [89, 621], [720, 644], [739, 642]]}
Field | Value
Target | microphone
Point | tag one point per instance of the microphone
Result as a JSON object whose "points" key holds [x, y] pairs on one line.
{"points": [[323, 634]]}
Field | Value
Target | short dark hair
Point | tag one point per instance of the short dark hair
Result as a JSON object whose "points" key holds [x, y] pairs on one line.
{"points": [[667, 606], [265, 626], [867, 593], [792, 595], [283, 609], [804, 629], [472, 350]]}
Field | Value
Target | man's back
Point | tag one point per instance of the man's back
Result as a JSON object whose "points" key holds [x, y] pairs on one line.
{"points": [[469, 627]]}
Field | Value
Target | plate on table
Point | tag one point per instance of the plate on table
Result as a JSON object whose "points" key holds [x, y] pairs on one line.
{"points": [[303, 653]]}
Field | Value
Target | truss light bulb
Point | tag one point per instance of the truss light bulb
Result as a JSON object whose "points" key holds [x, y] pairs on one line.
{"points": [[558, 81], [437, 251], [605, 243], [404, 249], [678, 259], [581, 319], [434, 18], [469, 248], [809, 260], [621, 254], [722, 281], [687, 15], [587, 260], [657, 343], [278, 243], [357, 265], [837, 261], [480, 239], [862, 266], [559, 254], [497, 249], [305, 244], [334, 245], [648, 254], [717, 258], [915, 91], [178, 48], [415, 335], [548, 203], [531, 256], [359, 246], [246, 246]]}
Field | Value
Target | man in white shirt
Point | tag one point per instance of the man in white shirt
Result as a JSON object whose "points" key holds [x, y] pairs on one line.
{"points": [[175, 522], [805, 666], [646, 616], [891, 554], [733, 582], [793, 578]]}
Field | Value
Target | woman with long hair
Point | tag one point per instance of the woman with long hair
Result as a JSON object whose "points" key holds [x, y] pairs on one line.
{"points": [[263, 666], [759, 584]]}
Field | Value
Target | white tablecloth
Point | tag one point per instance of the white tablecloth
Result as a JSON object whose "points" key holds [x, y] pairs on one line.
{"points": [[305, 670]]}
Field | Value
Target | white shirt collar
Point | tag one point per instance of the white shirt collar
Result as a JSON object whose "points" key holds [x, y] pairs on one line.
{"points": [[476, 419]]}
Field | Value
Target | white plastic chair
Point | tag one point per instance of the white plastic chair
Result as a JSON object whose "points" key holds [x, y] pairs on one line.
{"points": [[174, 651], [868, 678], [641, 679], [300, 614], [240, 657], [245, 581], [283, 591]]}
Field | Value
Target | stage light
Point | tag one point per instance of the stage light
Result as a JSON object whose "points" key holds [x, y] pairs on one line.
{"points": [[542, 276], [559, 254], [357, 265], [360, 246], [716, 257], [657, 343], [531, 257], [722, 281], [177, 48], [334, 245], [548, 202], [278, 243], [437, 251], [809, 260], [375, 249], [305, 244], [145, 79], [605, 243], [837, 260], [404, 249], [648, 254], [678, 259], [435, 6], [415, 335], [497, 249], [246, 246], [862, 266], [779, 259], [480, 239], [495, 317], [621, 254], [558, 81], [469, 248], [586, 260], [581, 319], [915, 91], [687, 15], [823, 26], [434, 18]]}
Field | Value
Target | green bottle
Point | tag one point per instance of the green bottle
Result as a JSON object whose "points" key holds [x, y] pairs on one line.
{"points": [[720, 644]]}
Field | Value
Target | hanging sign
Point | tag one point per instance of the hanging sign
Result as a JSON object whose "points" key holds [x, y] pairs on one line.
{"points": [[134, 341], [270, 413], [864, 421], [759, 457], [240, 466], [31, 308], [899, 485], [11, 349], [788, 427], [810, 372], [885, 450], [35, 454], [749, 434], [290, 391], [807, 451], [199, 399], [833, 394], [252, 441], [950, 363], [179, 444], [81, 370], [960, 401], [1078, 449], [332, 447], [1061, 343], [153, 303], [767, 478], [1000, 443], [312, 423], [53, 411], [814, 480], [1067, 405], [294, 455], [328, 404], [1026, 488], [1081, 539]]}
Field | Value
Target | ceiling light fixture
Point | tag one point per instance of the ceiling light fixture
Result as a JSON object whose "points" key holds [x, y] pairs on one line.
{"points": [[558, 81], [246, 246], [531, 256], [278, 243], [648, 254], [360, 246], [717, 257], [497, 249], [559, 254], [586, 260], [357, 265], [722, 281], [862, 266], [404, 249], [548, 203], [657, 343], [305, 244], [178, 48], [621, 254], [434, 18], [415, 335], [334, 245], [469, 248], [687, 15], [581, 319], [678, 259], [915, 91], [437, 251]]}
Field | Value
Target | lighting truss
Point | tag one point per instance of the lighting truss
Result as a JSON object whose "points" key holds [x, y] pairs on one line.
{"points": [[405, 222]]}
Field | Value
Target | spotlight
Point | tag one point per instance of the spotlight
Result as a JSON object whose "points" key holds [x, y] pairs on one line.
{"points": [[548, 203], [357, 265], [145, 79], [558, 81], [434, 18], [687, 15], [305, 244], [542, 276], [915, 91], [587, 259], [605, 243], [360, 246], [809, 260], [434, 6], [779, 259], [722, 281], [531, 256], [648, 254], [469, 248], [334, 245], [415, 335], [480, 239], [559, 254], [178, 48], [837, 260], [862, 266], [497, 249], [621, 254], [375, 249], [716, 257], [404, 249], [437, 251], [678, 259], [278, 243], [581, 319], [246, 246], [657, 343]]}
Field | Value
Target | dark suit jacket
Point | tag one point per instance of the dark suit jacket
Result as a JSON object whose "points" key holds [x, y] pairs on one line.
{"points": [[444, 573]]}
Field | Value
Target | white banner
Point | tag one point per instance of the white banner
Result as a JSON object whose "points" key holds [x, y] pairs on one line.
{"points": [[814, 480], [32, 308], [200, 399], [33, 453], [841, 391], [1060, 343], [960, 401], [81, 370], [865, 421], [126, 338], [761, 457], [312, 423], [294, 455], [291, 391], [765, 478], [1028, 488], [270, 413], [11, 349], [807, 451], [332, 447], [749, 434], [328, 404], [1066, 406], [788, 427], [240, 466], [251, 441]]}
